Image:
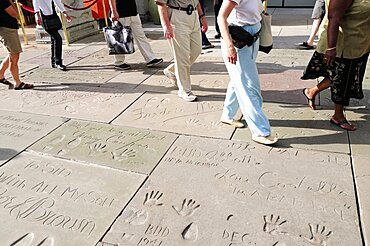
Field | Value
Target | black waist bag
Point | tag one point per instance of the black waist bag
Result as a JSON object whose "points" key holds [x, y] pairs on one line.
{"points": [[51, 22], [241, 37]]}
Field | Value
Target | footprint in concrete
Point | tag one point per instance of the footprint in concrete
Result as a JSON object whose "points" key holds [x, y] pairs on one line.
{"points": [[74, 143], [25, 240], [48, 241], [190, 233], [135, 216], [57, 140]]}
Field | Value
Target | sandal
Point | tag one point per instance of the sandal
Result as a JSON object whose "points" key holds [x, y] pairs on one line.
{"points": [[306, 46], [310, 101], [5, 81], [344, 124], [23, 86]]}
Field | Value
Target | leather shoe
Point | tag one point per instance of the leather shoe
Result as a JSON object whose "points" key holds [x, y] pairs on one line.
{"points": [[61, 67]]}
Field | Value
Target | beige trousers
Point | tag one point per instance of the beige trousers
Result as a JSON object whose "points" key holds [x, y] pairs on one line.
{"points": [[186, 46]]}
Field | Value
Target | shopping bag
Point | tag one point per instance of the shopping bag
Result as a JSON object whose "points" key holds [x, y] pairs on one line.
{"points": [[266, 33], [119, 39]]}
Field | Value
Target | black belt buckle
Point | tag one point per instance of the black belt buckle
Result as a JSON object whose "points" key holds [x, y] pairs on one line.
{"points": [[189, 9]]}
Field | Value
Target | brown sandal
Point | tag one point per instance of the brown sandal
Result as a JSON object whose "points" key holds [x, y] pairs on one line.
{"points": [[344, 124], [23, 86]]}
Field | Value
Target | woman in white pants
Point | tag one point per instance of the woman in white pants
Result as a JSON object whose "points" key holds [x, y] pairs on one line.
{"points": [[244, 87]]}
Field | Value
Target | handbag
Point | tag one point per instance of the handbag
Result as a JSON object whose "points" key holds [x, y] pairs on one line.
{"points": [[266, 42], [119, 39], [51, 22], [241, 37]]}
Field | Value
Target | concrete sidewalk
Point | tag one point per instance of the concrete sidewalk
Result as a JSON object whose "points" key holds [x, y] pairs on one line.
{"points": [[98, 156]]}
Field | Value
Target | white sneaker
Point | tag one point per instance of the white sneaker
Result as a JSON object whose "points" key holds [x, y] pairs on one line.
{"points": [[266, 140], [234, 123], [187, 96], [170, 76]]}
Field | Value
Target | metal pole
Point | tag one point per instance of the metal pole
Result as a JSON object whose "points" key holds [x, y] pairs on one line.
{"points": [[265, 6], [21, 19], [105, 14], [64, 29]]}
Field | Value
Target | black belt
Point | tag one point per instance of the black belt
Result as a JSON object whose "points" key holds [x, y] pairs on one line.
{"points": [[189, 9]]}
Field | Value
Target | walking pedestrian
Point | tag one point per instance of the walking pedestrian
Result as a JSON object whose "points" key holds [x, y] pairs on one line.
{"points": [[341, 56], [45, 9], [125, 11], [180, 22], [244, 87], [10, 40], [216, 7], [206, 44], [318, 14]]}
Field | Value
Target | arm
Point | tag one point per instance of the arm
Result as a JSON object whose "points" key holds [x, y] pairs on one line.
{"points": [[12, 11], [226, 8], [36, 6], [337, 8], [60, 6], [165, 20], [202, 17], [113, 8]]}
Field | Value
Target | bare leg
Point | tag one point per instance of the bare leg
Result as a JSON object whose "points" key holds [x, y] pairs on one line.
{"points": [[14, 70], [311, 93], [3, 67], [314, 30]]}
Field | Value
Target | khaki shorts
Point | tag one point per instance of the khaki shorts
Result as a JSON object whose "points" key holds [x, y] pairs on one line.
{"points": [[10, 39]]}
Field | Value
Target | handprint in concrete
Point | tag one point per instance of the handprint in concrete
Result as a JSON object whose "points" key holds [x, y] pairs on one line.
{"points": [[97, 149], [273, 225], [153, 198], [319, 235], [188, 207]]}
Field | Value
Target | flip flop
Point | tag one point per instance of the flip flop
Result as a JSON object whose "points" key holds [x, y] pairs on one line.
{"points": [[4, 81], [344, 123], [306, 46], [23, 86], [310, 101]]}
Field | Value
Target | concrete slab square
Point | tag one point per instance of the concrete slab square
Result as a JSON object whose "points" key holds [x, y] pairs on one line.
{"points": [[171, 113], [361, 165], [113, 146], [71, 54], [48, 201], [283, 86], [298, 126], [20, 130], [202, 84], [359, 139], [77, 77], [88, 103], [217, 192], [23, 68], [129, 80]]}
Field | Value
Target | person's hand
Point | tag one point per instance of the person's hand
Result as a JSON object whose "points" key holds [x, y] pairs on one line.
{"points": [[203, 20], [329, 57], [232, 56], [114, 16], [38, 18], [68, 17], [168, 31]]}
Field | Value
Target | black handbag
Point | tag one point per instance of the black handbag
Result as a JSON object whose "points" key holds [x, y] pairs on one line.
{"points": [[241, 37], [119, 39], [51, 22]]}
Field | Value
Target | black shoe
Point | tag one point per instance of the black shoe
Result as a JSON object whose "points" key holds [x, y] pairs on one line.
{"points": [[218, 36], [123, 66], [154, 62], [53, 65], [61, 67]]}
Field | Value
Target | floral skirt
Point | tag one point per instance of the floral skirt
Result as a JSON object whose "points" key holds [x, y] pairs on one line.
{"points": [[346, 76]]}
